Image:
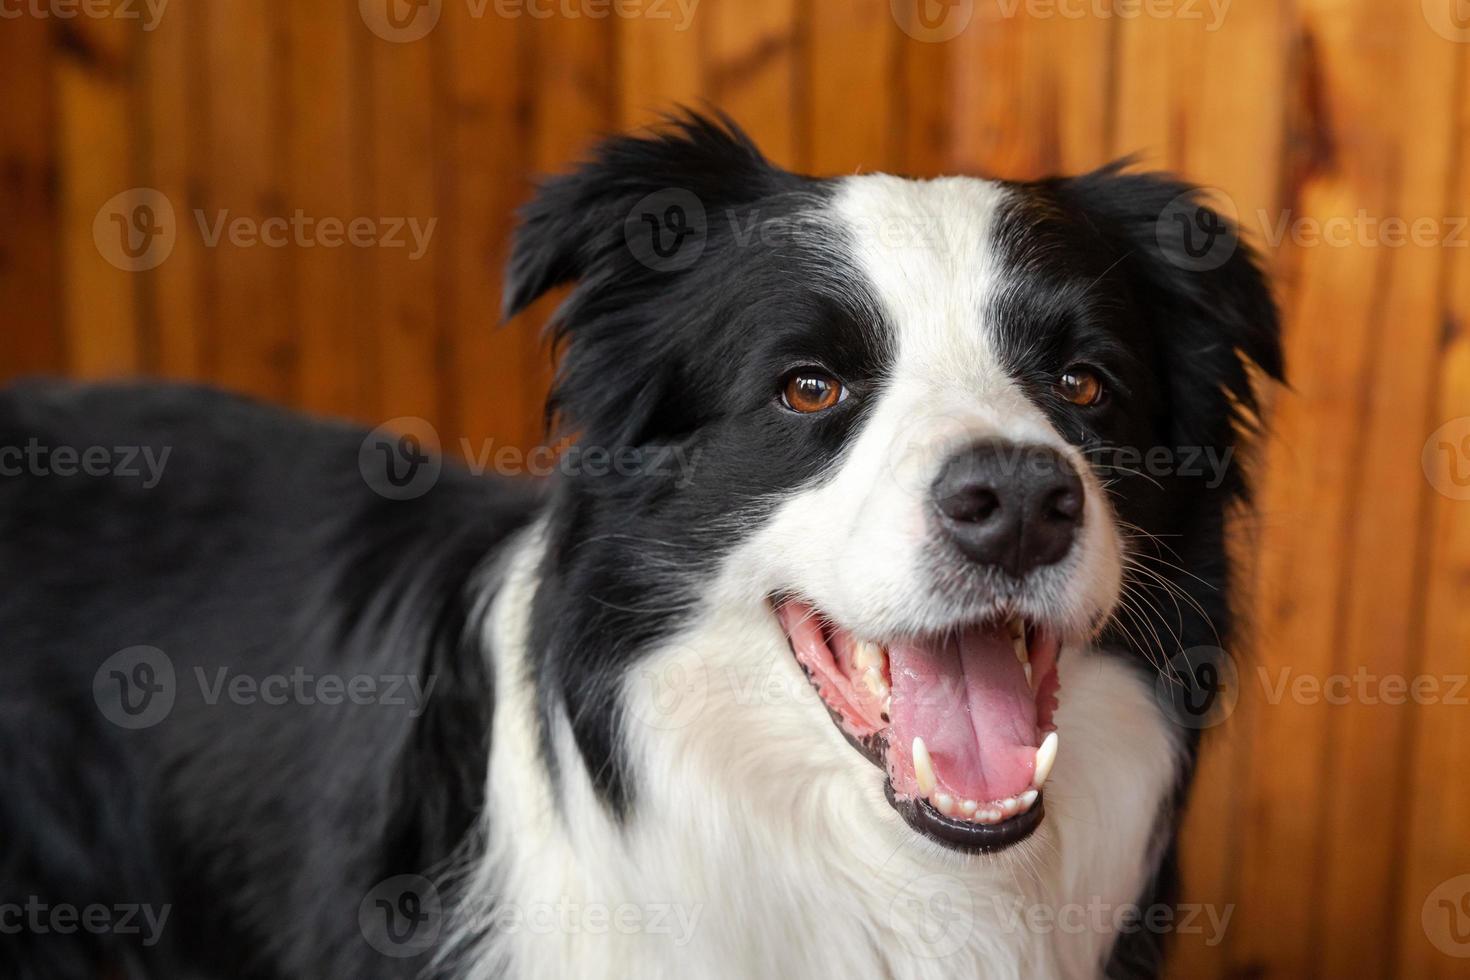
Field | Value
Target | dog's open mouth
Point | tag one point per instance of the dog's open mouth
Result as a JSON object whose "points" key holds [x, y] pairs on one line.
{"points": [[960, 721]]}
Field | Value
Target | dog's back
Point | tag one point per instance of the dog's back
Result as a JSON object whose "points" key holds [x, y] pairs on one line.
{"points": [[195, 588]]}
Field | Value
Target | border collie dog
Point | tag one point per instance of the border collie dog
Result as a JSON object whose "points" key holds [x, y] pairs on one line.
{"points": [[834, 646]]}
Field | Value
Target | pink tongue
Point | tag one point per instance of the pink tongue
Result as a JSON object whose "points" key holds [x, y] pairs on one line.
{"points": [[968, 699]]}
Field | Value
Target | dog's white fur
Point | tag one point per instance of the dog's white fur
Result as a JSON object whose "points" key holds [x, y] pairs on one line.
{"points": [[759, 839]]}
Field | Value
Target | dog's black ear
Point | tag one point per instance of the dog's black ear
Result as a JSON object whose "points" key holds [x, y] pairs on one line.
{"points": [[1202, 288], [635, 228], [640, 206]]}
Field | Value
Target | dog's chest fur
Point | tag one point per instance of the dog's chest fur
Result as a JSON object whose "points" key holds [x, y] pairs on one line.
{"points": [[770, 851]]}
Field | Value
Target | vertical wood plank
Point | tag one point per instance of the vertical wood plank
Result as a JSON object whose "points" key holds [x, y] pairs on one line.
{"points": [[1436, 849], [754, 67], [93, 74], [485, 111], [30, 265], [1370, 736], [1311, 500], [849, 65], [659, 65], [990, 135], [1157, 75], [325, 146], [402, 127], [248, 344], [1033, 96], [923, 128], [173, 98]]}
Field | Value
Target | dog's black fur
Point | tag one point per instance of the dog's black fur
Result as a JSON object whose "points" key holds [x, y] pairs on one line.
{"points": [[262, 549]]}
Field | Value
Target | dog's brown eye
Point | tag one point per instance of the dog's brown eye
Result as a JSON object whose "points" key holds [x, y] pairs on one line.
{"points": [[1080, 386], [811, 390]]}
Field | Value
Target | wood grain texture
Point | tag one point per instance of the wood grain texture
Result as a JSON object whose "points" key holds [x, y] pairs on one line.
{"points": [[326, 132], [249, 343], [30, 257], [173, 110], [95, 89], [1326, 831]]}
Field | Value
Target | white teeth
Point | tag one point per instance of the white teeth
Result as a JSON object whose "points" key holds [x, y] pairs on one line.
{"points": [[868, 655], [944, 803], [1027, 799], [1045, 756], [923, 767], [1029, 682], [1018, 642], [876, 684], [888, 705], [872, 660], [968, 807]]}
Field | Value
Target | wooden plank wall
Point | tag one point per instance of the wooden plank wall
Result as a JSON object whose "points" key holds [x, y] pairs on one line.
{"points": [[1323, 827]]}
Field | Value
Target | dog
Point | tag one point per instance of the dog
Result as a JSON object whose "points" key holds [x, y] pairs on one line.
{"points": [[839, 643]]}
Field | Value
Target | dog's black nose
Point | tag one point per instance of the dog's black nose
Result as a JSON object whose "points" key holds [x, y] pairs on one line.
{"points": [[1015, 507]]}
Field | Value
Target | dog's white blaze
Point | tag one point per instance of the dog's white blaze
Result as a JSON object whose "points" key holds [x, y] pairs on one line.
{"points": [[753, 817]]}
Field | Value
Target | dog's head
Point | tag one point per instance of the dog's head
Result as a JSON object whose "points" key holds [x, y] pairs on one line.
{"points": [[931, 433]]}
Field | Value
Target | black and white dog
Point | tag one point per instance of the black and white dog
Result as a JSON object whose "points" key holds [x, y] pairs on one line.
{"points": [[867, 676]]}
